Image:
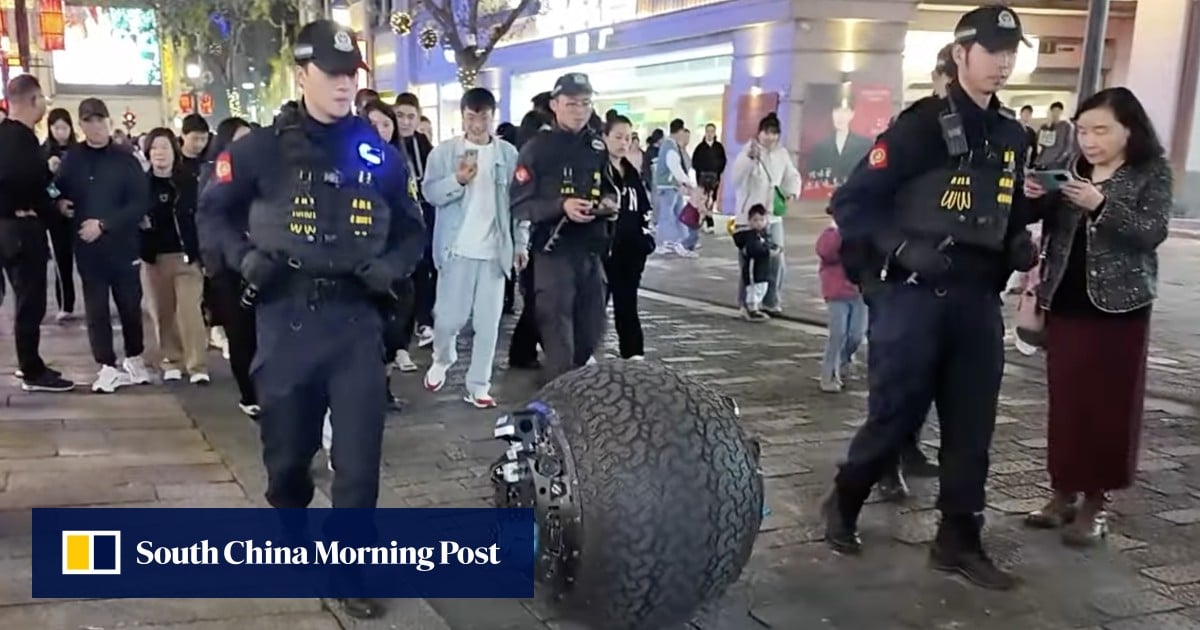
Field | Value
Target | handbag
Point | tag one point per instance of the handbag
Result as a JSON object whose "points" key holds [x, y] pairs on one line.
{"points": [[779, 206], [690, 216], [1031, 319]]}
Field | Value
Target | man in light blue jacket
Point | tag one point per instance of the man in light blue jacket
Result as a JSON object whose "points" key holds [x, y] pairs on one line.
{"points": [[476, 243]]}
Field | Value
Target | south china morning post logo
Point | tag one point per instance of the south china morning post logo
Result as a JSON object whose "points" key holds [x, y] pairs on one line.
{"points": [[217, 553], [91, 552]]}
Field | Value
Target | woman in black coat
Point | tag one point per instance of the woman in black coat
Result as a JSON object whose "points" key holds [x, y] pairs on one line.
{"points": [[632, 241]]}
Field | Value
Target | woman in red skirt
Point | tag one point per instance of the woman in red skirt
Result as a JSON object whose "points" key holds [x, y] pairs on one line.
{"points": [[1099, 280]]}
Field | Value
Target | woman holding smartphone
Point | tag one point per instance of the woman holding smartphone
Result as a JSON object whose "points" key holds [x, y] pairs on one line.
{"points": [[1102, 229], [621, 187]]}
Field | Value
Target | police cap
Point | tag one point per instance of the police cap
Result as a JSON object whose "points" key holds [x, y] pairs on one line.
{"points": [[572, 84], [995, 27], [329, 46]]}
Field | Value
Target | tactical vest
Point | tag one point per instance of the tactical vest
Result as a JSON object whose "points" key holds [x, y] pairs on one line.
{"points": [[580, 178], [967, 201], [323, 221]]}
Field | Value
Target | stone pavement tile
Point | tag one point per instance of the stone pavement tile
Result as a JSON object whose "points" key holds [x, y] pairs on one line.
{"points": [[1186, 594], [1175, 574], [105, 462], [1185, 450], [314, 621], [1134, 603], [485, 614], [1151, 464], [80, 494], [185, 491], [191, 474], [106, 613], [1181, 517], [1165, 621]]}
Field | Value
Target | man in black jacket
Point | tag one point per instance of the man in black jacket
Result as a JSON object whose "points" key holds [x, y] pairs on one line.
{"points": [[25, 206], [106, 194], [709, 161], [416, 147]]}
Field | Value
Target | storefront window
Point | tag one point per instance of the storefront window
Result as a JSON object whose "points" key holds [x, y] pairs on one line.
{"points": [[651, 91]]}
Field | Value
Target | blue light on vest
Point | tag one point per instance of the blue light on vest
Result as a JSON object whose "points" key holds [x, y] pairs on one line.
{"points": [[370, 154]]}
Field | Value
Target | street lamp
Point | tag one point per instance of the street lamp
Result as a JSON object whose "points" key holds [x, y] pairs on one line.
{"points": [[339, 11], [193, 71]]}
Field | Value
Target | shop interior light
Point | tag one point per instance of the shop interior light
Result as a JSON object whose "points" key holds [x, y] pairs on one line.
{"points": [[192, 70], [921, 49], [339, 11]]}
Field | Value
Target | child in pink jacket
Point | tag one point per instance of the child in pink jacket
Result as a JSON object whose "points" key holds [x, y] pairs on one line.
{"points": [[847, 312]]}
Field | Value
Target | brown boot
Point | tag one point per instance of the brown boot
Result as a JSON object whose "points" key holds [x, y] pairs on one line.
{"points": [[1055, 514]]}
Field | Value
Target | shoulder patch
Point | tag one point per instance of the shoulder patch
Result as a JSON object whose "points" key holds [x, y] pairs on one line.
{"points": [[598, 144], [223, 169], [878, 157], [522, 174]]}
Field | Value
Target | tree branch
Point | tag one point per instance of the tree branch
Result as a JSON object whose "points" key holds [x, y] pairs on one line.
{"points": [[503, 29], [474, 26], [444, 16]]}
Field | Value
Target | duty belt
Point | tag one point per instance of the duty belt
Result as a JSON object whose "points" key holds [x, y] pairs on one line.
{"points": [[316, 289]]}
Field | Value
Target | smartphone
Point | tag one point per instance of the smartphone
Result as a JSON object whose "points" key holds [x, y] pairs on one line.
{"points": [[607, 207], [1052, 180], [471, 156]]}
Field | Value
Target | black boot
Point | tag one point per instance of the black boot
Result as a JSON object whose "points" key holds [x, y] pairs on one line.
{"points": [[915, 464], [893, 488], [362, 607], [958, 548], [841, 524]]}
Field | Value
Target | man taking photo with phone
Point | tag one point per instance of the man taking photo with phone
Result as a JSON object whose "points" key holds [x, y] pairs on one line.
{"points": [[476, 243]]}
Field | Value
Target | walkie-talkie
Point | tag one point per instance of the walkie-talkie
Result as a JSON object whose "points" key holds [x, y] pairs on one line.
{"points": [[953, 132]]}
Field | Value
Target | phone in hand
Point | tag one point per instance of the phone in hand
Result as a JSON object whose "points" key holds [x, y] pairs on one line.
{"points": [[1052, 180], [607, 207], [471, 156]]}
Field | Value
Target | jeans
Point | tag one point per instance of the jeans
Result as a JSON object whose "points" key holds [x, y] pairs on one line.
{"points": [[847, 326], [469, 289], [669, 229]]}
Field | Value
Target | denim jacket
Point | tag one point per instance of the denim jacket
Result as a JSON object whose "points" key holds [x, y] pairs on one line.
{"points": [[443, 191]]}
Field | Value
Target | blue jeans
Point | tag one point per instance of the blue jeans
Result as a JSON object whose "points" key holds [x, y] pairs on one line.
{"points": [[847, 326], [670, 229]]}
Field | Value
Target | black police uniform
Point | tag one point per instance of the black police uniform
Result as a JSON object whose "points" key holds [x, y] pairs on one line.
{"points": [[949, 220], [332, 224], [569, 284]]}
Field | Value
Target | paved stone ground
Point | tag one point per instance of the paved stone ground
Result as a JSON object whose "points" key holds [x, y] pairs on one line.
{"points": [[134, 449], [1175, 335], [437, 453]]}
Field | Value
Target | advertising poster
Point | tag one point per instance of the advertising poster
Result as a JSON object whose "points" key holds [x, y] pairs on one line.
{"points": [[839, 126], [126, 39]]}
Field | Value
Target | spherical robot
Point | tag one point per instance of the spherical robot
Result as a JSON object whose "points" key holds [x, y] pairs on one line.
{"points": [[647, 492]]}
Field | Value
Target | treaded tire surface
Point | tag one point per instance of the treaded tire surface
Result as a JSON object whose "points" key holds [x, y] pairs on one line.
{"points": [[670, 496]]}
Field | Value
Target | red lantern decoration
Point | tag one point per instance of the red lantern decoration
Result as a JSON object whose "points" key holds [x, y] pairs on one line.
{"points": [[53, 26], [206, 104], [186, 103]]}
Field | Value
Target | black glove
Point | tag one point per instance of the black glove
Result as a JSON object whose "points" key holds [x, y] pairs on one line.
{"points": [[922, 259], [376, 276], [1022, 252], [259, 269]]}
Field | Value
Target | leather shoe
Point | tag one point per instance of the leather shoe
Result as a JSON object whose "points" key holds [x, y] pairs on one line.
{"points": [[841, 536], [362, 607]]}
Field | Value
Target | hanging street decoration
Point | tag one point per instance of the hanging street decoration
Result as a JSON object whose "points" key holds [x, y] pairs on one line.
{"points": [[429, 38], [401, 23]]}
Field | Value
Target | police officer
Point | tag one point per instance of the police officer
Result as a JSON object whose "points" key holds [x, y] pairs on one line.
{"points": [[332, 225], [939, 198], [911, 461], [556, 187]]}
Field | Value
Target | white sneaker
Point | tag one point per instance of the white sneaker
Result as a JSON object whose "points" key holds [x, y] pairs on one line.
{"points": [[63, 316], [424, 336], [404, 362], [217, 338], [683, 252], [591, 360], [135, 367], [172, 375], [435, 378], [109, 379], [637, 357], [200, 378], [250, 410]]}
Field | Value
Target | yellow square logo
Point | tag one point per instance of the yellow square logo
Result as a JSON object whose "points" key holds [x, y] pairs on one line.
{"points": [[91, 553]]}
